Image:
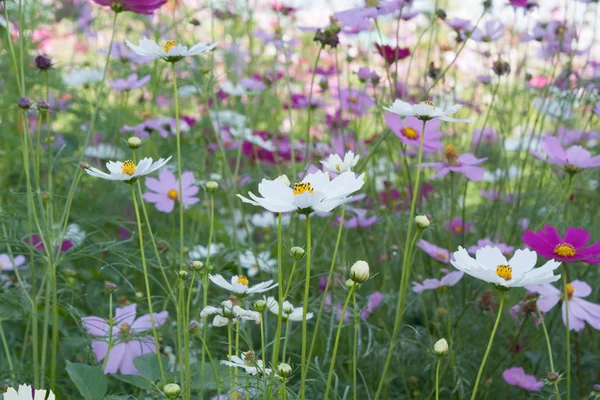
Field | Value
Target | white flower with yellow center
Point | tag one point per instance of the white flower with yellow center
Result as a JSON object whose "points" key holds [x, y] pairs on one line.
{"points": [[27, 393], [317, 192], [229, 311], [248, 362], [239, 285], [171, 51], [335, 164], [491, 266], [424, 110], [127, 170], [255, 263], [288, 311]]}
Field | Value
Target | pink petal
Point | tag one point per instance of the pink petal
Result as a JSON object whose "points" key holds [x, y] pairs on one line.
{"points": [[156, 186], [575, 324], [115, 358], [187, 179], [144, 323], [581, 288], [125, 314], [95, 326], [577, 237], [99, 347]]}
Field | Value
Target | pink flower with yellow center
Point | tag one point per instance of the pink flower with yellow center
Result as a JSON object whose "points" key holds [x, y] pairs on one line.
{"points": [[548, 243], [165, 190]]}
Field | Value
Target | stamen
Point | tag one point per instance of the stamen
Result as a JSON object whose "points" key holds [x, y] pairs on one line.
{"points": [[128, 168], [410, 133], [564, 250], [1, 266], [302, 187], [125, 328], [429, 103], [570, 290], [243, 280], [458, 229], [169, 45], [172, 194], [337, 166], [504, 272], [353, 99]]}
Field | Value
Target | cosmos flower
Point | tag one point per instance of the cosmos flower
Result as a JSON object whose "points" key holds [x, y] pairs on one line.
{"points": [[229, 311], [450, 279], [164, 126], [495, 195], [504, 248], [548, 243], [73, 237], [517, 377], [103, 151], [132, 82], [392, 54], [491, 266], [164, 191], [465, 164], [424, 111], [359, 221], [127, 171], [8, 264], [434, 251], [356, 101], [171, 51], [335, 164], [256, 263], [490, 32], [83, 77], [26, 392], [485, 136], [137, 6], [409, 132], [373, 303], [580, 311], [457, 226], [239, 285], [248, 363], [200, 252], [288, 311], [316, 192], [573, 159], [128, 335]]}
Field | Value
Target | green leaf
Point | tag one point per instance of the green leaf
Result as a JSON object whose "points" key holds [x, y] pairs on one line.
{"points": [[136, 380], [90, 380], [210, 381], [148, 366]]}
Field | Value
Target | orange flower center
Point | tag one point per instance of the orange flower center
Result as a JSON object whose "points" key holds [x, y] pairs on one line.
{"points": [[128, 168], [504, 272], [353, 99], [172, 194], [442, 255], [570, 290], [450, 153], [410, 133], [458, 229], [243, 280], [1, 266], [302, 187], [429, 103], [125, 328], [564, 250], [169, 45]]}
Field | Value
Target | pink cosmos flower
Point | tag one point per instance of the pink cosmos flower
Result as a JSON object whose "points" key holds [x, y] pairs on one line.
{"points": [[373, 304], [574, 159], [490, 32], [434, 251], [517, 377], [457, 226], [6, 264], [137, 6], [495, 195], [129, 340], [548, 243], [580, 311], [597, 108], [392, 54], [485, 136], [359, 221], [505, 249], [464, 164], [165, 190], [162, 125], [575, 136], [450, 279], [132, 82], [356, 101], [409, 132]]}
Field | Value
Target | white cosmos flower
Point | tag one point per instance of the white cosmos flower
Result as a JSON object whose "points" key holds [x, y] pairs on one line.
{"points": [[26, 393], [268, 220], [317, 192], [189, 90], [228, 311], [200, 252], [82, 77], [239, 285], [126, 171], [491, 266], [288, 311], [259, 141], [424, 111], [233, 90], [335, 164], [248, 362], [104, 151], [171, 51], [256, 263]]}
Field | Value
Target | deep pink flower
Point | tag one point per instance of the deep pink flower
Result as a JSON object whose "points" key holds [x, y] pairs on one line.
{"points": [[518, 3], [409, 132], [165, 190], [137, 6], [574, 159], [517, 377], [434, 251], [392, 54], [549, 244], [464, 164], [450, 279], [129, 341], [580, 311], [457, 226]]}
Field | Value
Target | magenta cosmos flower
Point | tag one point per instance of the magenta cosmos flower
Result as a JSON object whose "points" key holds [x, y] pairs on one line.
{"points": [[549, 244], [137, 6], [574, 159], [457, 226], [128, 336], [434, 251], [165, 190], [464, 164], [580, 311], [517, 377], [409, 132], [447, 280]]}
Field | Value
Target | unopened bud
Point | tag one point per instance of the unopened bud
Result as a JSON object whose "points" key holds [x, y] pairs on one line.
{"points": [[359, 272], [260, 305], [70, 273], [194, 22], [139, 295], [24, 103], [45, 196], [297, 252], [211, 186], [284, 370], [183, 275], [194, 327], [43, 62], [349, 284], [43, 105], [422, 221], [84, 165], [110, 287], [134, 142], [440, 347], [197, 265], [172, 390], [441, 13], [552, 376]]}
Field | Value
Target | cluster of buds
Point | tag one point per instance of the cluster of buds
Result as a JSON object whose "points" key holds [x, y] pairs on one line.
{"points": [[329, 36]]}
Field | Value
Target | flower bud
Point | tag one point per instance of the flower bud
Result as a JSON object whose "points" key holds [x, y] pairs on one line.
{"points": [[172, 390], [211, 186], [70, 273], [284, 370], [197, 266], [297, 252], [110, 287], [349, 284], [194, 22], [324, 83], [42, 62], [260, 305], [139, 295], [24, 103], [552, 376], [596, 388], [440, 347], [43, 105], [194, 327], [84, 165], [422, 221], [134, 142], [441, 13], [359, 272], [183, 275], [45, 196]]}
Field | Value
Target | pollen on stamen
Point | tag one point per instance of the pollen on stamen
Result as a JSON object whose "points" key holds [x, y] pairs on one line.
{"points": [[128, 168], [172, 194], [243, 280], [570, 290], [302, 187], [504, 272], [450, 153], [124, 329], [565, 250], [169, 45], [429, 103], [409, 133]]}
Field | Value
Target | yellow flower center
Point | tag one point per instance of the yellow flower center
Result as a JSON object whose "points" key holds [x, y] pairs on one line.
{"points": [[302, 187], [504, 272], [243, 280], [249, 359], [169, 45], [429, 103], [125, 328], [564, 250], [458, 229], [353, 99], [409, 133], [128, 168], [337, 166], [1, 266], [172, 194], [442, 255], [570, 290], [450, 153]]}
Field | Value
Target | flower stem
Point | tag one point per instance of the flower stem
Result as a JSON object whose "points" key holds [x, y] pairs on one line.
{"points": [[437, 379], [110, 337], [337, 340], [304, 360], [310, 90], [275, 357], [355, 349], [489, 346], [7, 352], [549, 350], [148, 296], [566, 305]]}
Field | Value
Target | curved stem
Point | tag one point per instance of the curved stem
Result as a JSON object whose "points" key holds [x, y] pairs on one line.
{"points": [[304, 361], [541, 317]]}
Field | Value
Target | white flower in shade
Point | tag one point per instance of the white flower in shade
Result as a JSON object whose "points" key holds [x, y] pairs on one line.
{"points": [[260, 142], [104, 151], [317, 192], [248, 362], [228, 311], [424, 111], [267, 220], [233, 90], [239, 285], [288, 311], [335, 164], [82, 77], [491, 266], [189, 90], [9, 264], [27, 393], [255, 263], [171, 51], [126, 171], [201, 252]]}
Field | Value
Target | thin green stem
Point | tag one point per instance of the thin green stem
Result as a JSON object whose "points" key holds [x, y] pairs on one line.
{"points": [[304, 361], [541, 317], [275, 357], [437, 379], [7, 352], [309, 109], [355, 349], [568, 329], [110, 335]]}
